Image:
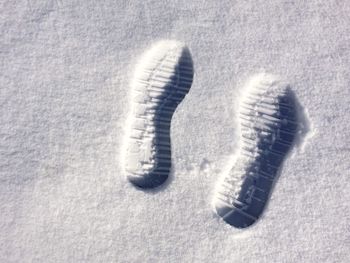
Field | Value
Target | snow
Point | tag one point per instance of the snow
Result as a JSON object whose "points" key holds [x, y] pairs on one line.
{"points": [[66, 68]]}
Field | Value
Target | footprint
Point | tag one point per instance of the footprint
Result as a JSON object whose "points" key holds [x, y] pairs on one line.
{"points": [[269, 122], [162, 79]]}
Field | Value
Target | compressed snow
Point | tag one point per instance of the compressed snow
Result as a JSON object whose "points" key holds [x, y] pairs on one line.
{"points": [[65, 78]]}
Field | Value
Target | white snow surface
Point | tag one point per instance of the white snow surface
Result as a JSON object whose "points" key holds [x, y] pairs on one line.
{"points": [[65, 78]]}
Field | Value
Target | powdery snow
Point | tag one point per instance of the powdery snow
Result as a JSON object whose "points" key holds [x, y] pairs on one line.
{"points": [[65, 75]]}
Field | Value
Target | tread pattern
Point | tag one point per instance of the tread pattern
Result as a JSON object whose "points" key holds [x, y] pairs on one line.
{"points": [[162, 79], [269, 123]]}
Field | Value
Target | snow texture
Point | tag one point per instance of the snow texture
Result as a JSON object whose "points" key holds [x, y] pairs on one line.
{"points": [[65, 96]]}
